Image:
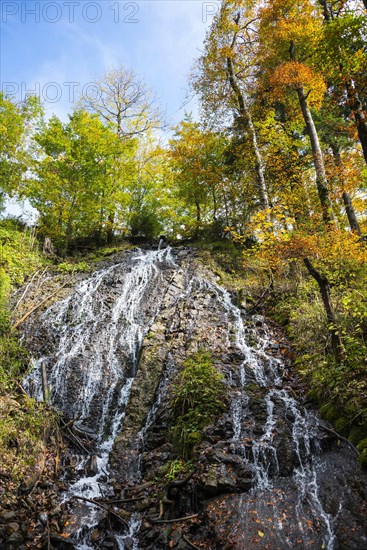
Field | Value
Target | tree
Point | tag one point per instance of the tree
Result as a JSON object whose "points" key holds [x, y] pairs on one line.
{"points": [[148, 194], [123, 102], [75, 175], [342, 56], [126, 106], [196, 160], [344, 167], [289, 31], [224, 74], [15, 127]]}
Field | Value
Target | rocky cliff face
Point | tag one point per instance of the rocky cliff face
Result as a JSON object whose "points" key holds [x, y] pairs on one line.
{"points": [[265, 474]]}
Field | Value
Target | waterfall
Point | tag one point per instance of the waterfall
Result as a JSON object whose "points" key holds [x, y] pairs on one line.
{"points": [[92, 344], [93, 364], [261, 367]]}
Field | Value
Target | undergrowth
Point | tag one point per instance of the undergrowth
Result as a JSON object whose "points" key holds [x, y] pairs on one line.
{"points": [[23, 422], [277, 279], [270, 277], [198, 397]]}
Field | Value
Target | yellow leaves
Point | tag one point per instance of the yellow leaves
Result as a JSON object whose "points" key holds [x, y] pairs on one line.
{"points": [[295, 75], [290, 32], [226, 51], [271, 224], [337, 250], [290, 20], [261, 534]]}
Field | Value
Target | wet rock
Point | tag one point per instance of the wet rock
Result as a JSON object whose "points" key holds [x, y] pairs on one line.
{"points": [[257, 443], [91, 467], [61, 543], [43, 517], [258, 320], [6, 515], [128, 543], [95, 535], [12, 528], [15, 540]]}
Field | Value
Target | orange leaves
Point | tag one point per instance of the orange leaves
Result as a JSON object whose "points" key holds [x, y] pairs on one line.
{"points": [[336, 249], [293, 74], [290, 32]]}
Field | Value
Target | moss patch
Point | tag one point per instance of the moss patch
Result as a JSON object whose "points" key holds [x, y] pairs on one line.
{"points": [[198, 397]]}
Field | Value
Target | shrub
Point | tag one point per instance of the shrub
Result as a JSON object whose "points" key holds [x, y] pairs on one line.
{"points": [[198, 397]]}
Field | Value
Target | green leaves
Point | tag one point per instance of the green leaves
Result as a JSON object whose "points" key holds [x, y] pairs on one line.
{"points": [[15, 123], [81, 173], [198, 398]]}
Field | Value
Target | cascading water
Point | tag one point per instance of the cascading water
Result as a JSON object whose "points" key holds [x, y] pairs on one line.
{"points": [[94, 361], [261, 367], [97, 351]]}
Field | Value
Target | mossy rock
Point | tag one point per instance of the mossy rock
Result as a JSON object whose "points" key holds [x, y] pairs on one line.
{"points": [[341, 425], [362, 445], [363, 458], [329, 412], [357, 434]]}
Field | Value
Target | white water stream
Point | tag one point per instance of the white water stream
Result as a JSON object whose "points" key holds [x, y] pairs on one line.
{"points": [[103, 338], [98, 337], [260, 366]]}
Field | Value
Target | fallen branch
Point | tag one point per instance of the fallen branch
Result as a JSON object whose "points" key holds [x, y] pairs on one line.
{"points": [[122, 501], [103, 507], [180, 482], [356, 416], [260, 300], [21, 389], [191, 544], [45, 392], [74, 439], [172, 520], [26, 290], [338, 436], [34, 308]]}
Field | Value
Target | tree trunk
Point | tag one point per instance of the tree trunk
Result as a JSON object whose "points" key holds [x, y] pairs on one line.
{"points": [[327, 11], [324, 285], [246, 117], [318, 159], [351, 215], [198, 219], [225, 205], [110, 227], [215, 207], [359, 116], [353, 97]]}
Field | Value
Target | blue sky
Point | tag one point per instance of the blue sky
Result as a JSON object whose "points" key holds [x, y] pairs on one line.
{"points": [[58, 47]]}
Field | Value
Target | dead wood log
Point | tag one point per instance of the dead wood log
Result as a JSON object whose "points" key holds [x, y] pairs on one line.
{"points": [[37, 306], [186, 518], [25, 291], [122, 501], [341, 437], [191, 544], [45, 392], [103, 507]]}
